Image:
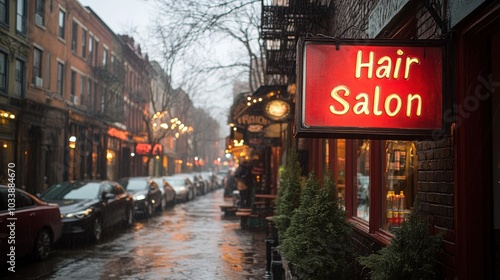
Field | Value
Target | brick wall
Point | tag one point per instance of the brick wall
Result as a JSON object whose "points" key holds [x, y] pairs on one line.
{"points": [[435, 191], [436, 159], [351, 18]]}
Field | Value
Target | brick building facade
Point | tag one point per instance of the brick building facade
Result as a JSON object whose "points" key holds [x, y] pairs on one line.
{"points": [[72, 96], [455, 176]]}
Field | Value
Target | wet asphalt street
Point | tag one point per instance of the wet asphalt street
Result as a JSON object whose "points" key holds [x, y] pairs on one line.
{"points": [[192, 240]]}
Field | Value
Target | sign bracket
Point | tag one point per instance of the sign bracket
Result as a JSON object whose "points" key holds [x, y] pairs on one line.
{"points": [[441, 23]]}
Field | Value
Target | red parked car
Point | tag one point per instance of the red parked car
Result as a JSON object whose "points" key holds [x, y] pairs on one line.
{"points": [[32, 229]]}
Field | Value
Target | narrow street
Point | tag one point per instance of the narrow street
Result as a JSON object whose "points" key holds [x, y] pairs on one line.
{"points": [[192, 240]]}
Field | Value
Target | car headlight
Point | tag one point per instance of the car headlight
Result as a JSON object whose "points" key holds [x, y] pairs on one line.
{"points": [[80, 214], [182, 188], [139, 197]]}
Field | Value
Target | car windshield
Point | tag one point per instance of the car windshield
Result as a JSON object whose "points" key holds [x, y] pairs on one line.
{"points": [[136, 185], [71, 191], [179, 181], [159, 182]]}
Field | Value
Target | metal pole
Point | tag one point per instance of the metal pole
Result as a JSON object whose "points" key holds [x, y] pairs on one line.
{"points": [[268, 274]]}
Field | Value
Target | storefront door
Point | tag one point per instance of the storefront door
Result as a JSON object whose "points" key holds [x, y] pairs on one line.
{"points": [[495, 57]]}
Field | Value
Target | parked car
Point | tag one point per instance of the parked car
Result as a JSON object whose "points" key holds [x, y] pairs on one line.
{"points": [[91, 207], [210, 177], [37, 225], [183, 186], [147, 195], [204, 182], [167, 191], [200, 184]]}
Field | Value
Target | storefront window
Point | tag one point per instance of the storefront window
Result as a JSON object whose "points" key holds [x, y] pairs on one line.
{"points": [[112, 165], [362, 192], [399, 182], [6, 157], [111, 158], [341, 170]]}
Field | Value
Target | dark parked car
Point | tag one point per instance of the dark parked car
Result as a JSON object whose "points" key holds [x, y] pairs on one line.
{"points": [[91, 207], [168, 192], [184, 188], [212, 179], [35, 225], [147, 194], [203, 182]]}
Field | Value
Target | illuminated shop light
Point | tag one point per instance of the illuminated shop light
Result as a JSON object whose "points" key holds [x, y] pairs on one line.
{"points": [[7, 115], [72, 142]]}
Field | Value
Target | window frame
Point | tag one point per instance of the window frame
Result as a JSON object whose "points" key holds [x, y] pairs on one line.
{"points": [[60, 78], [20, 80], [105, 57], [371, 228], [82, 89], [21, 20], [96, 52], [84, 43], [89, 93], [72, 91], [37, 69], [4, 72], [5, 15], [40, 12], [62, 24], [74, 36], [91, 49]]}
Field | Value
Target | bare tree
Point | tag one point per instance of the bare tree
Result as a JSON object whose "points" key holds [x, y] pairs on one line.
{"points": [[205, 137], [183, 40], [205, 23]]}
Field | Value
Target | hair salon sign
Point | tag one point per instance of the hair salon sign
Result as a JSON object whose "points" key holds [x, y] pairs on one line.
{"points": [[369, 88]]}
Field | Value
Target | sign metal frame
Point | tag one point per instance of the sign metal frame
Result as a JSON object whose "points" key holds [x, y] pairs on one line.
{"points": [[365, 131]]}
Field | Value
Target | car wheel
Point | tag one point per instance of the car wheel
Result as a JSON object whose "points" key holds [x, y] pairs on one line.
{"points": [[43, 244], [129, 217], [97, 230]]}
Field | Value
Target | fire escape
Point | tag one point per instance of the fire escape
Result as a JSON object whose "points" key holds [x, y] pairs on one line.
{"points": [[283, 22]]}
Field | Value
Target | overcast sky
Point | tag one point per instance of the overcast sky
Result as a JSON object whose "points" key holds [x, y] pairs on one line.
{"points": [[121, 15], [132, 17]]}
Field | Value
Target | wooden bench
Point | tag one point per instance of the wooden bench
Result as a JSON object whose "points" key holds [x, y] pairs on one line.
{"points": [[247, 219], [243, 218], [229, 210]]}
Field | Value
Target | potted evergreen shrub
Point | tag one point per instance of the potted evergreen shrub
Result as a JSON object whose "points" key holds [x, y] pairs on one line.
{"points": [[317, 244], [411, 255], [289, 192]]}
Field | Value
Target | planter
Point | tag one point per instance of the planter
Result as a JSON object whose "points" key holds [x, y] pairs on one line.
{"points": [[288, 275]]}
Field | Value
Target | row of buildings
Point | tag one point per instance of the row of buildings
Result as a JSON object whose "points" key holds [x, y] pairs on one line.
{"points": [[78, 101], [399, 98]]}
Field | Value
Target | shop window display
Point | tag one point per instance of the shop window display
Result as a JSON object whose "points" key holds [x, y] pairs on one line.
{"points": [[399, 182], [362, 192]]}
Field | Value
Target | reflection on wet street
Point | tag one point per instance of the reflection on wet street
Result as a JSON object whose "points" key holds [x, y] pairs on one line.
{"points": [[192, 240]]}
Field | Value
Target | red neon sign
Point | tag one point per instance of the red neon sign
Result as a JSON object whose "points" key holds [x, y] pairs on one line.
{"points": [[120, 134], [145, 149], [374, 89]]}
